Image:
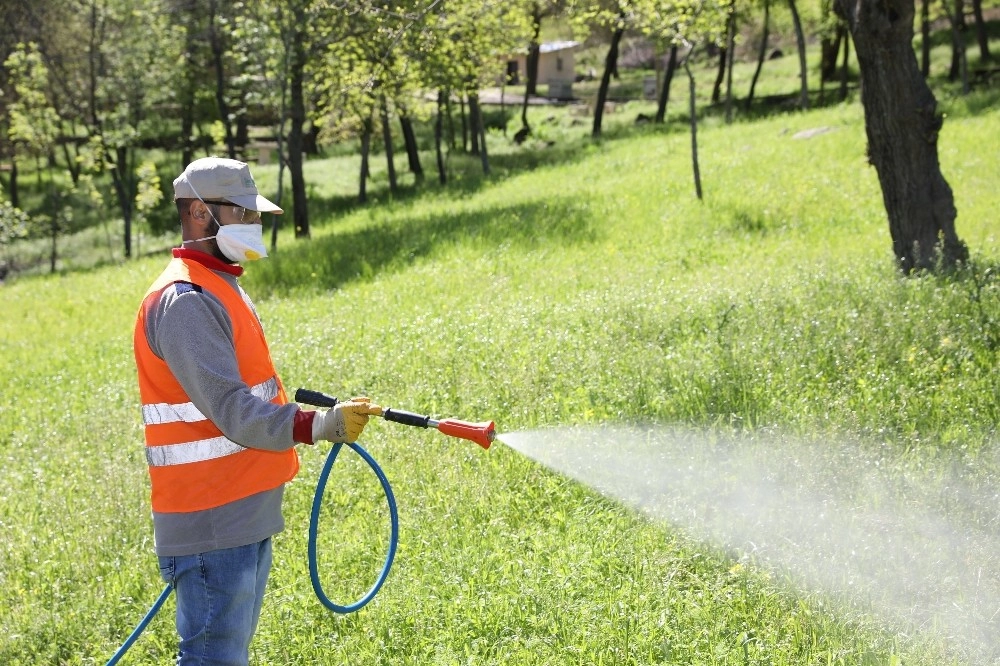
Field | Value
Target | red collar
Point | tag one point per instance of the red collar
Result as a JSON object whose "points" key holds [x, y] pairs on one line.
{"points": [[208, 261]]}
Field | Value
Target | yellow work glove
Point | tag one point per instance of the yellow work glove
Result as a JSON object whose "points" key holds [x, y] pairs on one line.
{"points": [[344, 422]]}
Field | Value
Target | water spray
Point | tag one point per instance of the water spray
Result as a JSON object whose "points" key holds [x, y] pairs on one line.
{"points": [[482, 433]]}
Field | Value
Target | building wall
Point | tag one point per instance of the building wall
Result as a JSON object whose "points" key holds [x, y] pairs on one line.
{"points": [[553, 66]]}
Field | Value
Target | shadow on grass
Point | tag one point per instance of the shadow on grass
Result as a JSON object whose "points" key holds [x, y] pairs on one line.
{"points": [[331, 261]]}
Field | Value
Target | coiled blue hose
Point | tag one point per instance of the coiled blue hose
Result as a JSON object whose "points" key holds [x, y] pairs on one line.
{"points": [[313, 532], [314, 527]]}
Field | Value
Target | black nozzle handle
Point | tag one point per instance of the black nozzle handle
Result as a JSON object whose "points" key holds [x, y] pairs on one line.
{"points": [[406, 418], [315, 398]]}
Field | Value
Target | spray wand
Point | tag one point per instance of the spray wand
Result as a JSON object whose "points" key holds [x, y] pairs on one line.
{"points": [[482, 433]]}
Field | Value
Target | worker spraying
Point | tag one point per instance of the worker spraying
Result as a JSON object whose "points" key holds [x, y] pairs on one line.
{"points": [[220, 431]]}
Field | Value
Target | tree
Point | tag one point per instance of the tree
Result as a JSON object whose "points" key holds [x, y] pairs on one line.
{"points": [[23, 23], [686, 24], [536, 11], [982, 36], [902, 125], [299, 45], [217, 40], [800, 40], [668, 77], [34, 128], [116, 85], [615, 16], [761, 53], [959, 63]]}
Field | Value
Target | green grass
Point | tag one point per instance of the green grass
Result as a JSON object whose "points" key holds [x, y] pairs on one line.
{"points": [[593, 288]]}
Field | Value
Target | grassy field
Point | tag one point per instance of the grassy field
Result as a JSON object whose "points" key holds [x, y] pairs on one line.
{"points": [[582, 284], [593, 288]]}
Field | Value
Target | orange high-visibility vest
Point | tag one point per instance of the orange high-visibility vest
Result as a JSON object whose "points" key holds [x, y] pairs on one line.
{"points": [[193, 466]]}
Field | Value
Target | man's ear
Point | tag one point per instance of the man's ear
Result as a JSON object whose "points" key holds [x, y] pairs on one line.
{"points": [[199, 211]]}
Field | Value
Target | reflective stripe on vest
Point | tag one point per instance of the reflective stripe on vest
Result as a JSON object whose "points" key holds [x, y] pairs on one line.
{"points": [[197, 451], [180, 454], [162, 412]]}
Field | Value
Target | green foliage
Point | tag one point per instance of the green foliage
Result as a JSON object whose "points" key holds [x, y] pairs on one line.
{"points": [[13, 223], [33, 122]]}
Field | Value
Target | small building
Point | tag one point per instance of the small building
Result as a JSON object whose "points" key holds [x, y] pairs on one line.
{"points": [[556, 67]]}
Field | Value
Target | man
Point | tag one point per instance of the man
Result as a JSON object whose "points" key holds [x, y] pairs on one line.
{"points": [[220, 431]]}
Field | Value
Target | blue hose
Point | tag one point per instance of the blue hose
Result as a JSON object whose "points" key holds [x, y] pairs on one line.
{"points": [[141, 626], [314, 526], [313, 531]]}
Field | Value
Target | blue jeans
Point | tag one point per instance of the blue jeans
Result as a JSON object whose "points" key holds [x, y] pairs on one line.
{"points": [[219, 595]]}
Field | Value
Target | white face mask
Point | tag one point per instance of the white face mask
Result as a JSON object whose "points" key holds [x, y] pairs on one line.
{"points": [[239, 242]]}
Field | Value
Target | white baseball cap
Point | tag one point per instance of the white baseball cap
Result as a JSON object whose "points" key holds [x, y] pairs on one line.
{"points": [[220, 178]]}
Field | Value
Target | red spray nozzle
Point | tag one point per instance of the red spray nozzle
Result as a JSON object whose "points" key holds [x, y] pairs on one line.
{"points": [[482, 434]]}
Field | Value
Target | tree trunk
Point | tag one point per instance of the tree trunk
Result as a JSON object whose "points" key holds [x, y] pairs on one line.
{"points": [[902, 125], [830, 53], [218, 50], [982, 37], [843, 67], [925, 37], [242, 130], [187, 85], [761, 54], [474, 122], [452, 134], [479, 131], [297, 119], [72, 165], [15, 197], [730, 48], [959, 63], [54, 249], [387, 140], [668, 77], [282, 118], [465, 124], [696, 170], [187, 130], [610, 66], [829, 49], [956, 16], [366, 142], [720, 75], [412, 149], [534, 54], [800, 39], [438, 131], [119, 179]]}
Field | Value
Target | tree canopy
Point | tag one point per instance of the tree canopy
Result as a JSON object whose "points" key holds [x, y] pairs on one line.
{"points": [[93, 87]]}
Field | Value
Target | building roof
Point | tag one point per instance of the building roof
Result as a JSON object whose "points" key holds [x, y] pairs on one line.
{"points": [[551, 47]]}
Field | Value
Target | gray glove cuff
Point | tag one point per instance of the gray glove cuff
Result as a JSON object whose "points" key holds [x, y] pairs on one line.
{"points": [[329, 425]]}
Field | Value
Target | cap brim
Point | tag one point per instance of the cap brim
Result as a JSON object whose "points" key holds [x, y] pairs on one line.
{"points": [[256, 202]]}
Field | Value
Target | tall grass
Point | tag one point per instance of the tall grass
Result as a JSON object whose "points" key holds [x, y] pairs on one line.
{"points": [[594, 288]]}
